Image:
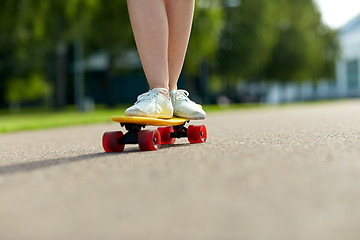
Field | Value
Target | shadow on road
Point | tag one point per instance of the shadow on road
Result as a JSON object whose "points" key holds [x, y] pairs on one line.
{"points": [[32, 166]]}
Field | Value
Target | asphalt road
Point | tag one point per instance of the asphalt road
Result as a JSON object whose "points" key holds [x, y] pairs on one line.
{"points": [[272, 173]]}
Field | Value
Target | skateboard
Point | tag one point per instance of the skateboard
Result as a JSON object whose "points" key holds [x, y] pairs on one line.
{"points": [[168, 130]]}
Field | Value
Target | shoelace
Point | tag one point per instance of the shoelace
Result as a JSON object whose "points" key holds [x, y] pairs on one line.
{"points": [[151, 93], [182, 95]]}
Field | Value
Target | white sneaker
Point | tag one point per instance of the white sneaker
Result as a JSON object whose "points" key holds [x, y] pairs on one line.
{"points": [[184, 107], [152, 104]]}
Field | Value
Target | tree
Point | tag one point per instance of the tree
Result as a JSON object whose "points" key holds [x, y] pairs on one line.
{"points": [[40, 31], [275, 41], [247, 39], [21, 50], [31, 89], [299, 52], [111, 32], [67, 23], [330, 51], [206, 29], [7, 9], [203, 46]]}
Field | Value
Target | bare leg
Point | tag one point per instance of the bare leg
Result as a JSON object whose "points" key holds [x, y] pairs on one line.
{"points": [[162, 30], [150, 27], [180, 15]]}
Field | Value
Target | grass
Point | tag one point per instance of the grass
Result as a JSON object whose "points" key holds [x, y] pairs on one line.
{"points": [[34, 119], [31, 119], [42, 120]]}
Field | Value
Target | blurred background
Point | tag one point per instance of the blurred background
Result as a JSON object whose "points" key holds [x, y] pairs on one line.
{"points": [[55, 54]]}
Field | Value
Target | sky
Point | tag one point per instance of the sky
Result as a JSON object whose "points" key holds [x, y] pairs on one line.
{"points": [[336, 13]]}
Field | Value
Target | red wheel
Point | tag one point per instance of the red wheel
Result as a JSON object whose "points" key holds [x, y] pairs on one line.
{"points": [[149, 140], [111, 142], [165, 135], [197, 134]]}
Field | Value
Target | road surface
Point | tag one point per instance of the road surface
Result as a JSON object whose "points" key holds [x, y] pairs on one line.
{"points": [[269, 173]]}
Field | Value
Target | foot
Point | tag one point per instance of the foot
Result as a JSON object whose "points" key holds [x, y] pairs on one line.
{"points": [[184, 107], [152, 104]]}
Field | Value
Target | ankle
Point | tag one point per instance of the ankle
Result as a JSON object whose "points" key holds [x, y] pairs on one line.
{"points": [[166, 94], [163, 91], [173, 89]]}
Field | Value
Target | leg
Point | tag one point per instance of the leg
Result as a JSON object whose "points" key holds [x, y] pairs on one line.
{"points": [[150, 27], [180, 15]]}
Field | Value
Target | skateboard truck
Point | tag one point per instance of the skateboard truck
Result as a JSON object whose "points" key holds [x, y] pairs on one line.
{"points": [[179, 132], [131, 137]]}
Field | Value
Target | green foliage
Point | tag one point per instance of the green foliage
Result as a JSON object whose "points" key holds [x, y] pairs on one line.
{"points": [[259, 39], [110, 29], [298, 52], [330, 51], [63, 20], [248, 38], [27, 89], [283, 40], [207, 25], [22, 51]]}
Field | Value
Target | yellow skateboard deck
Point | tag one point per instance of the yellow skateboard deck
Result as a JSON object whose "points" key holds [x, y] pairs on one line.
{"points": [[150, 121]]}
